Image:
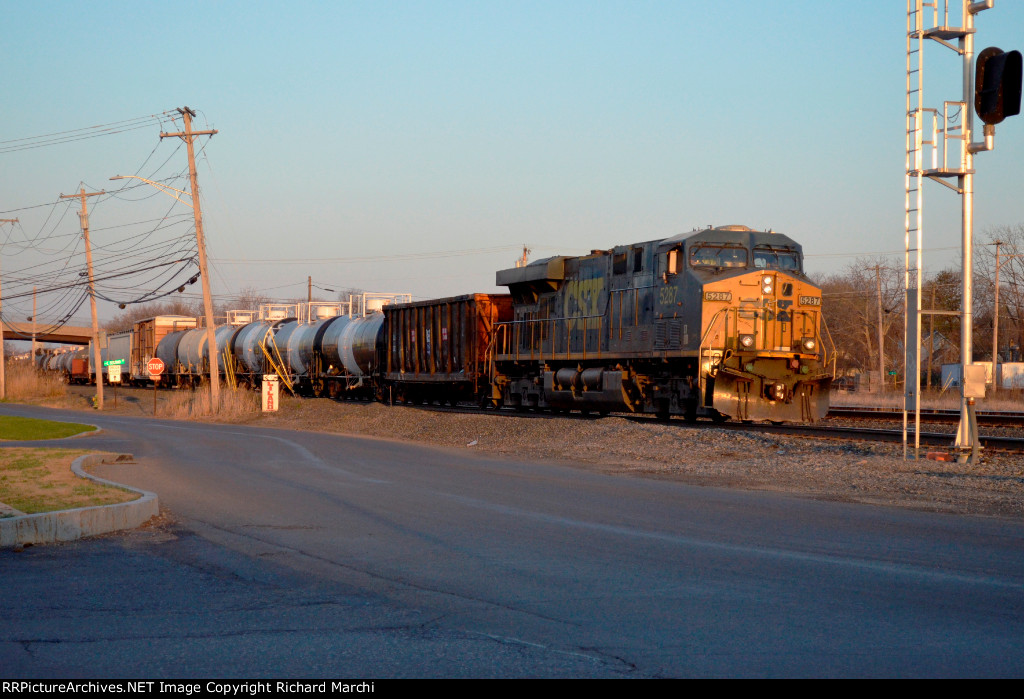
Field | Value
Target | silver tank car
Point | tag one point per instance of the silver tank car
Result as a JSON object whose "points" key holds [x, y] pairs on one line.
{"points": [[247, 345], [193, 354], [358, 344]]}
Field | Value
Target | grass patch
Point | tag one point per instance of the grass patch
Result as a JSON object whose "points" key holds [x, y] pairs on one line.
{"points": [[24, 383], [26, 428], [235, 404], [41, 480]]}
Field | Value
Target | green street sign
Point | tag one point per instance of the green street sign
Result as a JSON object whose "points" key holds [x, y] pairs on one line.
{"points": [[114, 362]]}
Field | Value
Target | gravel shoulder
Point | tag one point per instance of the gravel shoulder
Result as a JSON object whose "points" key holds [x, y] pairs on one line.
{"points": [[866, 472]]}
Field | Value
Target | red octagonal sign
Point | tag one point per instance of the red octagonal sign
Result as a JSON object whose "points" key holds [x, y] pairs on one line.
{"points": [[155, 366]]}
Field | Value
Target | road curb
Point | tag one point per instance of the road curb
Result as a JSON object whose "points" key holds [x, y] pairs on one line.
{"points": [[68, 525]]}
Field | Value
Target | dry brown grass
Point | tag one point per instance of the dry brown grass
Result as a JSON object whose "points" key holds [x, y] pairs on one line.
{"points": [[23, 383], [236, 405]]}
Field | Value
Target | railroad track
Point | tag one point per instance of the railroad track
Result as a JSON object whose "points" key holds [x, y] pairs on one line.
{"points": [[933, 439], [985, 417], [820, 431]]}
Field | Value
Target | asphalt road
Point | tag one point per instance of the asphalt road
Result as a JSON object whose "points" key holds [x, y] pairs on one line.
{"points": [[302, 554]]}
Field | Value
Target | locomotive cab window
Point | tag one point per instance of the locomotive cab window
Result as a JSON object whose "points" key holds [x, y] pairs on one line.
{"points": [[768, 257], [718, 256]]}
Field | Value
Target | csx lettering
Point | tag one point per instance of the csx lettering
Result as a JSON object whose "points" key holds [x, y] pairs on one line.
{"points": [[582, 298]]}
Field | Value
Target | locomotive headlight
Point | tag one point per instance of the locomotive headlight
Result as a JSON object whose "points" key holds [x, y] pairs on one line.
{"points": [[808, 345], [766, 284], [746, 341]]}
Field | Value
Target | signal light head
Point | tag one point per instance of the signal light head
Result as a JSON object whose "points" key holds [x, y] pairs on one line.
{"points": [[997, 84]]}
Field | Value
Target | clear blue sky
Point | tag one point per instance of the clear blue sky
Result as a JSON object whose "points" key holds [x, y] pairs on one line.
{"points": [[364, 130]]}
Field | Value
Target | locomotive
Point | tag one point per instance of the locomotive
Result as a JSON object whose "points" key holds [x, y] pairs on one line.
{"points": [[718, 323]]}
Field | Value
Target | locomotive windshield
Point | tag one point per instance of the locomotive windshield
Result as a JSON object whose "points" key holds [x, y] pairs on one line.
{"points": [[718, 256], [769, 257]]}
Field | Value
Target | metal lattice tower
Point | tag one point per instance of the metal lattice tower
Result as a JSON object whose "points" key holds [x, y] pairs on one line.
{"points": [[938, 147]]}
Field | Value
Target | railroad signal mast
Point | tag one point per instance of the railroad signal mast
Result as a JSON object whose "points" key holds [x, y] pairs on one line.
{"points": [[994, 86]]}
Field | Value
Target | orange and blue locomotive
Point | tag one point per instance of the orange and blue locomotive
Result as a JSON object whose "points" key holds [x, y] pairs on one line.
{"points": [[719, 323]]}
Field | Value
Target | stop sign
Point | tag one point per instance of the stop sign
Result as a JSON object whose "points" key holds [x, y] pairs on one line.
{"points": [[155, 366]]}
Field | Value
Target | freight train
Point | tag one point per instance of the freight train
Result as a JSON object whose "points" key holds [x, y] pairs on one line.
{"points": [[718, 323]]}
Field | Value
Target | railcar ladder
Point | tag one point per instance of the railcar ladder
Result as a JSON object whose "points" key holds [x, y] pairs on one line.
{"points": [[275, 361]]}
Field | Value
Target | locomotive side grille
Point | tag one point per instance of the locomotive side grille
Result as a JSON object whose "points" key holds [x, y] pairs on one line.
{"points": [[667, 334]]}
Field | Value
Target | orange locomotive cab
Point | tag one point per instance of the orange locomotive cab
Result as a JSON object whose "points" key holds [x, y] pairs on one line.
{"points": [[762, 354]]}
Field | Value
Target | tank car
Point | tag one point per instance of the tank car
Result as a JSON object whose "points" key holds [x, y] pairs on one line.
{"points": [[719, 323]]}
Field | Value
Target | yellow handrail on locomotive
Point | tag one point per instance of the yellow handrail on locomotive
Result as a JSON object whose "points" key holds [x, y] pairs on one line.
{"points": [[533, 323]]}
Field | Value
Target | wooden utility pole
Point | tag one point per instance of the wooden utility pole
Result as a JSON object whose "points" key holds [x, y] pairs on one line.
{"points": [[33, 326], [995, 328], [931, 337], [188, 136], [881, 331], [83, 216], [3, 359]]}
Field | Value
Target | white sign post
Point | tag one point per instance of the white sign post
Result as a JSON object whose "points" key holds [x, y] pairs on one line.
{"points": [[271, 392]]}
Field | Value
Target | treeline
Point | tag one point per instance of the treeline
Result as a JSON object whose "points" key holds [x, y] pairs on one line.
{"points": [[851, 299]]}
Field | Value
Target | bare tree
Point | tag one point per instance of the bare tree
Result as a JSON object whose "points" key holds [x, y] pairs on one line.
{"points": [[850, 307], [249, 299], [1011, 291], [172, 307]]}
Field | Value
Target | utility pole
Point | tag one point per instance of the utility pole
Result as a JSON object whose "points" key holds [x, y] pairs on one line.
{"points": [[188, 136], [931, 338], [3, 359], [33, 326], [881, 331], [83, 216], [995, 328]]}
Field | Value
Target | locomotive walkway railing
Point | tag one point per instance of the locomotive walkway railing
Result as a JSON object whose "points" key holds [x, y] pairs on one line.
{"points": [[509, 338]]}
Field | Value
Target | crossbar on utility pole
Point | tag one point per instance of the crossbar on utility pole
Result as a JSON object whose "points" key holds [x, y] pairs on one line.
{"points": [[3, 359], [188, 136], [83, 216]]}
